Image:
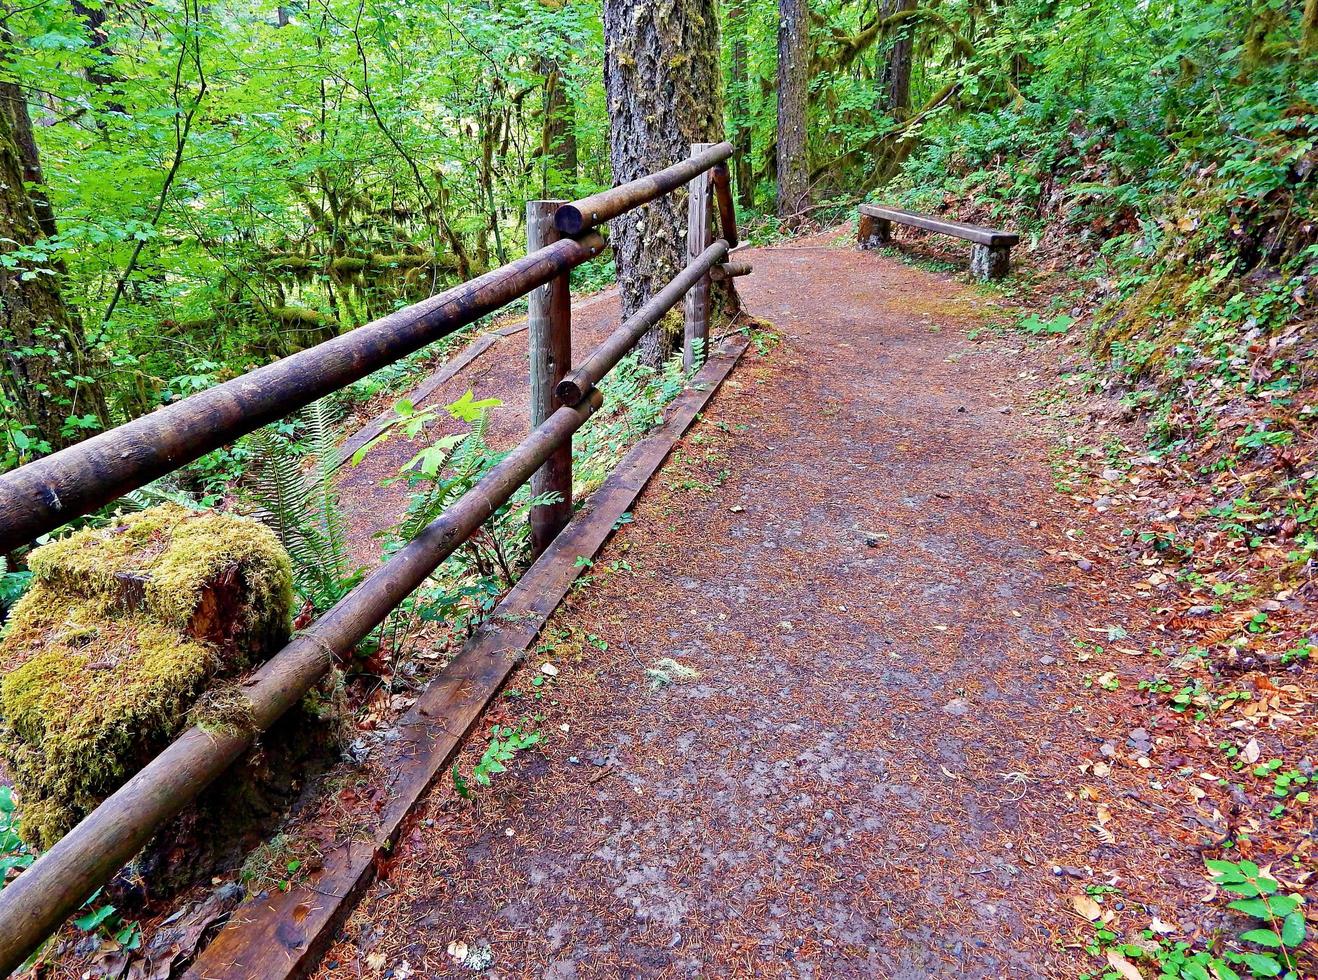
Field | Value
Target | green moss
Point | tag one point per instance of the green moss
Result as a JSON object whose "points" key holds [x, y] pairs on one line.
{"points": [[175, 552], [114, 643], [224, 709]]}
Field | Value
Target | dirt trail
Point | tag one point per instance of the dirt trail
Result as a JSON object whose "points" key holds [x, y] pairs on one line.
{"points": [[867, 772]]}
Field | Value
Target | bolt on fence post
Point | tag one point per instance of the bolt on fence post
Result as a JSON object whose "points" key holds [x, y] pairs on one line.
{"points": [[549, 319], [698, 238]]}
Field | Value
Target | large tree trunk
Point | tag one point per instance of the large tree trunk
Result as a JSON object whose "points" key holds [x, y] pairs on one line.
{"points": [[558, 145], [661, 77], [897, 74], [793, 95], [741, 109], [44, 351]]}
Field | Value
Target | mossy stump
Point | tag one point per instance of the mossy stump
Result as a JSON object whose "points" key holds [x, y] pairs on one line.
{"points": [[122, 632]]}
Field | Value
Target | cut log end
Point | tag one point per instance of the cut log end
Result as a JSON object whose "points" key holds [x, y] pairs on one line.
{"points": [[569, 220], [569, 391]]}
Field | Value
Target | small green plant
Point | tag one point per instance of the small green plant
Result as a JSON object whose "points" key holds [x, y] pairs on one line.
{"points": [[1156, 685], [505, 742], [294, 490], [1280, 928], [1036, 326], [12, 586], [14, 854], [105, 920]]}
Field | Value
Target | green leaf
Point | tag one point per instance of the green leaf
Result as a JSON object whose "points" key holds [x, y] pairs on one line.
{"points": [[1283, 904], [89, 922], [1264, 937], [1241, 887], [1292, 929], [1225, 869], [468, 409], [1257, 907], [1263, 966]]}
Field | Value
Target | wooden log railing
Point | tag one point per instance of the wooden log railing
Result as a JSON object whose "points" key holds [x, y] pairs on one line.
{"points": [[48, 493]]}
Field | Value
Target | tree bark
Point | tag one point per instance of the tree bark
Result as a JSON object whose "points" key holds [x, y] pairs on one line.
{"points": [[43, 345], [558, 144], [739, 96], [661, 79], [897, 73], [793, 96]]}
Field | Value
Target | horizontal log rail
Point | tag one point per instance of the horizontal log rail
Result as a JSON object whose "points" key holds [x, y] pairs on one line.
{"points": [[48, 493], [576, 217], [615, 347], [730, 270], [52, 491]]}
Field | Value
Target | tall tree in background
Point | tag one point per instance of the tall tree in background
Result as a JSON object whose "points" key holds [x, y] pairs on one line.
{"points": [[740, 110], [793, 94], [897, 72], [661, 79], [558, 140], [558, 132], [42, 377]]}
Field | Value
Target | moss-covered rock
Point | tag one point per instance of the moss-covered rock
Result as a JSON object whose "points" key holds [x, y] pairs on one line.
{"points": [[123, 630]]}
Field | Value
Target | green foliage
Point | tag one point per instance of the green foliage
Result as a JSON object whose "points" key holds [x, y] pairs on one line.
{"points": [[1036, 325], [232, 185], [1267, 949], [12, 586], [293, 488], [469, 583], [505, 742], [14, 854], [1280, 929]]}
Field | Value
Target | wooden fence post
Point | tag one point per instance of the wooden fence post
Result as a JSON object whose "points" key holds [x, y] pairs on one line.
{"points": [[549, 319], [698, 238]]}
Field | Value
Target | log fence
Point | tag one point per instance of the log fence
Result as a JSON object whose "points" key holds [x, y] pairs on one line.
{"points": [[44, 495]]}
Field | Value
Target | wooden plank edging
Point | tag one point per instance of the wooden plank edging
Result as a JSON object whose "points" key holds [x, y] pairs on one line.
{"points": [[284, 935]]}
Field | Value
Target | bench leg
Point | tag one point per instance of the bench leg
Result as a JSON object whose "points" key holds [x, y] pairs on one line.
{"points": [[873, 232], [990, 263]]}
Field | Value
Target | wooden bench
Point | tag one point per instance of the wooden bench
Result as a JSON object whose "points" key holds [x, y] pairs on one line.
{"points": [[990, 258]]}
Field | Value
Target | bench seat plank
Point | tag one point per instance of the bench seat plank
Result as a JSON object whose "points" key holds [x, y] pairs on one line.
{"points": [[992, 237]]}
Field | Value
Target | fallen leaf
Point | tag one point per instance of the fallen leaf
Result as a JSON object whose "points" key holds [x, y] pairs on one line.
{"points": [[1087, 907], [1251, 751], [1123, 966]]}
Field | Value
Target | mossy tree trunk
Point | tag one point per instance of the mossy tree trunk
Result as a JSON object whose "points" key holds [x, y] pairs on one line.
{"points": [[739, 96], [897, 72], [1263, 19], [661, 78], [558, 145], [44, 348], [793, 96]]}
